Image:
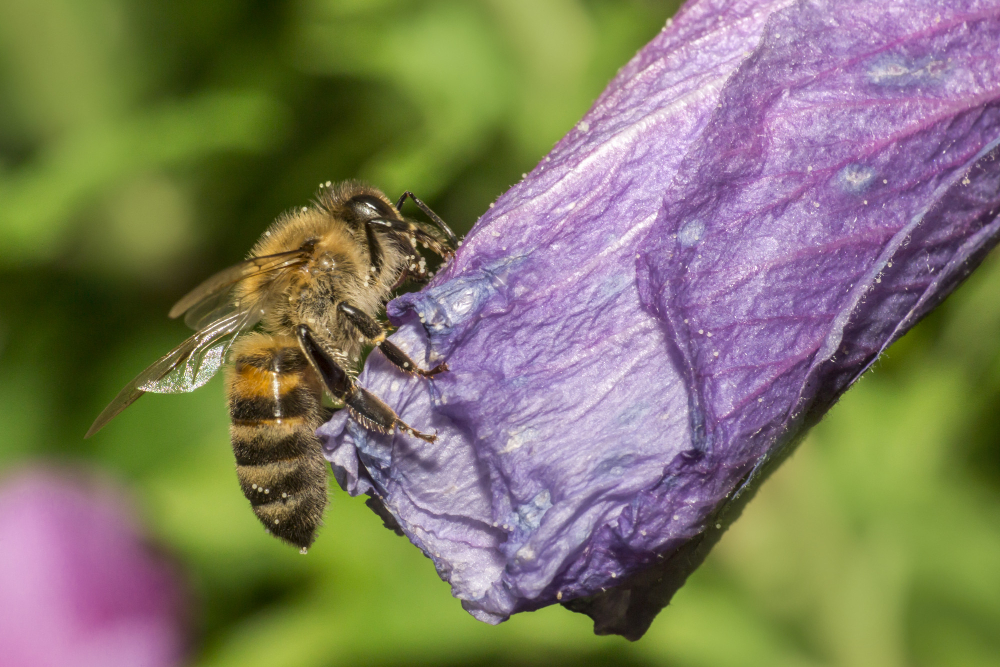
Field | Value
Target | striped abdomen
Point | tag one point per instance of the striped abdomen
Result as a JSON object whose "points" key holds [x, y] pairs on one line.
{"points": [[274, 404]]}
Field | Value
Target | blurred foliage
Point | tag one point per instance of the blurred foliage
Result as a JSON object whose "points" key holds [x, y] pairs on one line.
{"points": [[144, 145]]}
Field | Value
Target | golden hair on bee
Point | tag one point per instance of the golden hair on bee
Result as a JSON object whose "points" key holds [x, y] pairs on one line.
{"points": [[315, 285]]}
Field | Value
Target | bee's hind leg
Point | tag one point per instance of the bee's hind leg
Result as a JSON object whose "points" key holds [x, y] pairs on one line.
{"points": [[366, 406], [373, 332]]}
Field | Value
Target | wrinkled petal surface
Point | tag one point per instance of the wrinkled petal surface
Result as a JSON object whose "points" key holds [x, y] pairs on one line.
{"points": [[77, 584], [766, 196]]}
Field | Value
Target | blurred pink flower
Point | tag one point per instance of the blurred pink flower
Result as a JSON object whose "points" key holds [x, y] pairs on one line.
{"points": [[78, 586]]}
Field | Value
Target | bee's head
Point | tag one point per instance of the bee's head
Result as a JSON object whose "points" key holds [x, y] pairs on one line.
{"points": [[361, 208], [355, 202]]}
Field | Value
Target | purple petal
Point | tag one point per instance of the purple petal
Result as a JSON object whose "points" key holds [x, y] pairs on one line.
{"points": [[77, 585], [766, 197]]}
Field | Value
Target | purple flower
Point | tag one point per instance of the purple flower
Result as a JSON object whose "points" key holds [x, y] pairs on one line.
{"points": [[77, 586], [768, 195]]}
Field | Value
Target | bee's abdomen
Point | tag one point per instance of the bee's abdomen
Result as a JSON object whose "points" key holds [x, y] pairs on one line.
{"points": [[274, 404]]}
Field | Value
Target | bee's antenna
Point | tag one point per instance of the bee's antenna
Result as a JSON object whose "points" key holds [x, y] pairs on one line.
{"points": [[430, 214]]}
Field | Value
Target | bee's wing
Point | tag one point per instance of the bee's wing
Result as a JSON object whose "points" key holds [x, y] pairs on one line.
{"points": [[206, 302], [192, 363], [184, 368]]}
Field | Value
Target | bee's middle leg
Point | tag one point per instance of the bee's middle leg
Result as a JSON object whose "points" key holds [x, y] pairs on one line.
{"points": [[366, 406], [373, 332]]}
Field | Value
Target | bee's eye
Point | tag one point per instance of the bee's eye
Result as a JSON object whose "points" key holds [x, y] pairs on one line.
{"points": [[366, 207]]}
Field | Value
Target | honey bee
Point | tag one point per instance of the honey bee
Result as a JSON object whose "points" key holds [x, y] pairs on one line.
{"points": [[315, 284]]}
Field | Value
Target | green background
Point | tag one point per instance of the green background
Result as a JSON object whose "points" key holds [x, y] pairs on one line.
{"points": [[144, 145]]}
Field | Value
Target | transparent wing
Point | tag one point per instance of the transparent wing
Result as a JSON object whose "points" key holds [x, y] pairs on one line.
{"points": [[212, 309], [195, 361], [192, 363], [209, 301]]}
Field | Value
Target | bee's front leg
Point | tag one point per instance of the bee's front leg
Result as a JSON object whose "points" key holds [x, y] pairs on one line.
{"points": [[374, 333], [413, 232], [430, 214], [364, 405]]}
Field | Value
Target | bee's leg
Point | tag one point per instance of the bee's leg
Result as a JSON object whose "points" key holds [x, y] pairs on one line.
{"points": [[402, 279], [373, 331], [364, 405], [414, 232], [420, 275], [430, 214]]}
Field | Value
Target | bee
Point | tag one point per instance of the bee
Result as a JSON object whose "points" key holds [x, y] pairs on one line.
{"points": [[315, 284]]}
